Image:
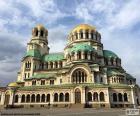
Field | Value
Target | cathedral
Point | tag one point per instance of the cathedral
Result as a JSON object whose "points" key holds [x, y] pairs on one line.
{"points": [[84, 74]]}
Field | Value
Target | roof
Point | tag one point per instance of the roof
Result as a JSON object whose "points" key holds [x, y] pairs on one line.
{"points": [[42, 76], [13, 84], [81, 47], [128, 76], [53, 57], [108, 53], [112, 72], [83, 27], [33, 53]]}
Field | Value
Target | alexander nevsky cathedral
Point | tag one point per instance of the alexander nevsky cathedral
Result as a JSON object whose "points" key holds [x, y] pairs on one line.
{"points": [[83, 75]]}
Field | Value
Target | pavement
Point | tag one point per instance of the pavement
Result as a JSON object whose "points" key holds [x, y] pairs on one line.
{"points": [[62, 112]]}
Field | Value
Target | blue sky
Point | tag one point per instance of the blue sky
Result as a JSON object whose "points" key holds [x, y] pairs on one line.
{"points": [[118, 21]]}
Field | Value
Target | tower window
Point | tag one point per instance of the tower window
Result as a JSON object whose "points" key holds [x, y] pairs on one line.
{"points": [[36, 33], [33, 82], [42, 82], [81, 34], [87, 35], [51, 82], [41, 33]]}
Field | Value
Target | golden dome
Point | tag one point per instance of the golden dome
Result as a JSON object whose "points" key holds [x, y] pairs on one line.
{"points": [[13, 84], [83, 27], [40, 26]]}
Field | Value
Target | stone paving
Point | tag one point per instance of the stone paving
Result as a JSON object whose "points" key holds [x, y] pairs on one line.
{"points": [[62, 112]]}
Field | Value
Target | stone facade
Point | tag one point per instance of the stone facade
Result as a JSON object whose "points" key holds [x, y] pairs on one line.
{"points": [[84, 75]]}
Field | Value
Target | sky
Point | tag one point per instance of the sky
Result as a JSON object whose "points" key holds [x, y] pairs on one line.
{"points": [[118, 21]]}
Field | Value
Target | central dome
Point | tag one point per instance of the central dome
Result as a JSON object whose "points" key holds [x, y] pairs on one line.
{"points": [[83, 27]]}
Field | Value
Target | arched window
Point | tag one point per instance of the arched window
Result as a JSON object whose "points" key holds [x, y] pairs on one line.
{"points": [[16, 98], [23, 98], [92, 35], [125, 97], [60, 64], [28, 98], [81, 34], [61, 97], [36, 33], [38, 98], [130, 82], [102, 97], [67, 97], [56, 65], [43, 98], [120, 97], [33, 98], [79, 76], [48, 98], [87, 34], [114, 97], [111, 61], [55, 97], [86, 55], [79, 55], [101, 79], [89, 96], [91, 55], [41, 33], [95, 96], [51, 64]]}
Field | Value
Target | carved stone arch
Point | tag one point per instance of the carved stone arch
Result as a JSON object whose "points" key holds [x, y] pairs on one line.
{"points": [[77, 95], [7, 97], [84, 69]]}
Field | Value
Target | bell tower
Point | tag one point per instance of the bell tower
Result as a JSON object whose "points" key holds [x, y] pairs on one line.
{"points": [[39, 40]]}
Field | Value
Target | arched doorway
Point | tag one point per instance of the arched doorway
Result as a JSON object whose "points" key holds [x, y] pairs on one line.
{"points": [[7, 98], [77, 96]]}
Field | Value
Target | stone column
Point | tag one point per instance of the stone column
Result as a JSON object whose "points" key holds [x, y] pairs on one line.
{"points": [[11, 100], [88, 55], [48, 65], [82, 55], [19, 99], [89, 35], [51, 98], [2, 98], [72, 97], [133, 97], [84, 34], [83, 96]]}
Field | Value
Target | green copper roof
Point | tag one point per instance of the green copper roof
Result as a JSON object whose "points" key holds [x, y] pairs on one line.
{"points": [[128, 76], [53, 57], [42, 75], [81, 47], [108, 53], [33, 53], [111, 72]]}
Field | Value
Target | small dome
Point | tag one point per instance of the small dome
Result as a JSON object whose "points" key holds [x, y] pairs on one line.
{"points": [[83, 27], [13, 84], [40, 26], [81, 47], [108, 53]]}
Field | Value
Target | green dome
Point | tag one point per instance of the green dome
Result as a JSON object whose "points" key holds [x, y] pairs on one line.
{"points": [[108, 53], [33, 53], [81, 47], [53, 57]]}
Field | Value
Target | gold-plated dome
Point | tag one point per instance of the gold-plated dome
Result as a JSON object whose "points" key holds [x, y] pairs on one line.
{"points": [[13, 84], [40, 26], [83, 27]]}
